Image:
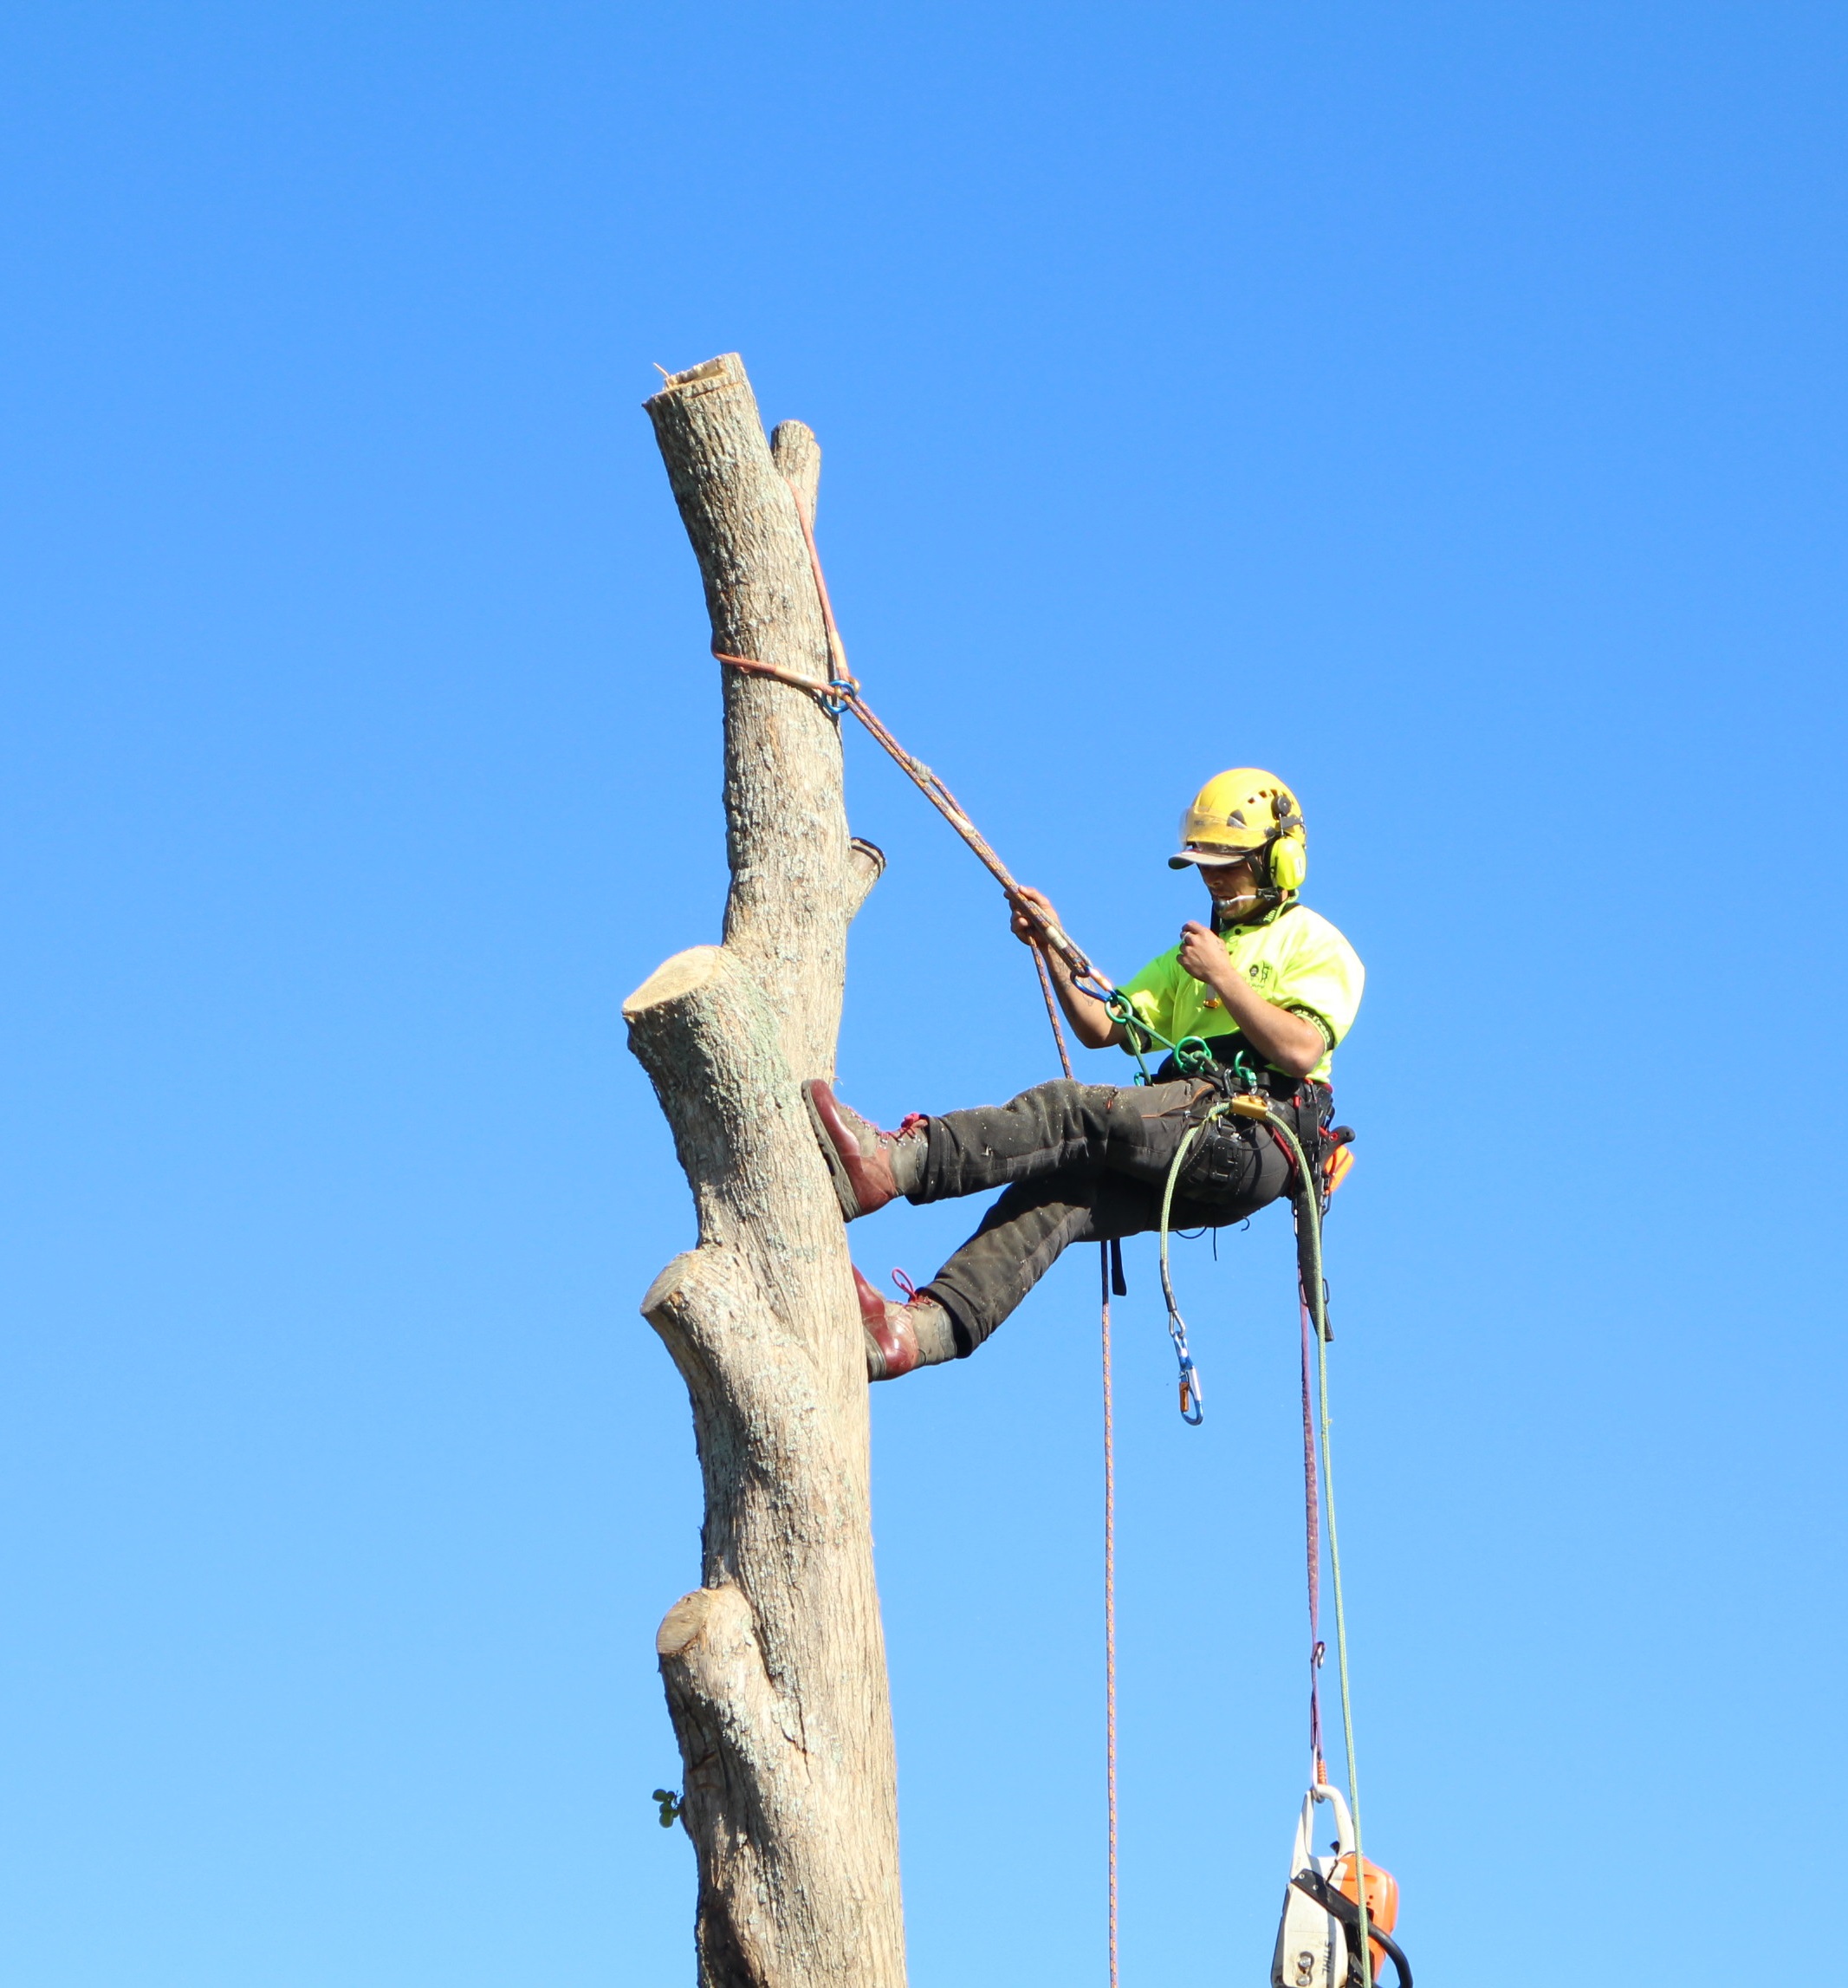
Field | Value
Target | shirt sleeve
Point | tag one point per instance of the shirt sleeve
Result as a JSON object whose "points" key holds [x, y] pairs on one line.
{"points": [[1152, 991], [1322, 979]]}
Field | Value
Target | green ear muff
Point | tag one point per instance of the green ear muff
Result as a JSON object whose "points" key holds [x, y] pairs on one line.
{"points": [[1289, 862]]}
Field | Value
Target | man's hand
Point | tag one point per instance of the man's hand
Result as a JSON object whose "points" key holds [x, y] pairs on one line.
{"points": [[1090, 1021], [1286, 1039], [1204, 954], [1026, 929]]}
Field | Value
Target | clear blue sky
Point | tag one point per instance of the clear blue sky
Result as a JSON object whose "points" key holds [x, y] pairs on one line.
{"points": [[1443, 404]]}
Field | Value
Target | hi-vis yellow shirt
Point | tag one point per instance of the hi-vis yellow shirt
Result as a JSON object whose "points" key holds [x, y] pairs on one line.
{"points": [[1294, 959]]}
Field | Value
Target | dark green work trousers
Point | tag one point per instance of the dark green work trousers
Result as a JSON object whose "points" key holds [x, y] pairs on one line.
{"points": [[1083, 1163]]}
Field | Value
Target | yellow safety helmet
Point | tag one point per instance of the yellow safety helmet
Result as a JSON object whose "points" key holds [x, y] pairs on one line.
{"points": [[1239, 813]]}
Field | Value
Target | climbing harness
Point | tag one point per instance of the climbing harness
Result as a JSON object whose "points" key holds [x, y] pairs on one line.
{"points": [[1340, 1910]]}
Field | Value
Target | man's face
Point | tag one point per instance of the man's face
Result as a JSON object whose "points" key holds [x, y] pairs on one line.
{"points": [[1233, 886]]}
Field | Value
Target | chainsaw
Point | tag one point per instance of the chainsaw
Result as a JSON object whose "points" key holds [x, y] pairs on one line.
{"points": [[1318, 1940]]}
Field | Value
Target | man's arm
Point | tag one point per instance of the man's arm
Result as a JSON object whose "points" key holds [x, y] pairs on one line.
{"points": [[1090, 1023], [1290, 1041]]}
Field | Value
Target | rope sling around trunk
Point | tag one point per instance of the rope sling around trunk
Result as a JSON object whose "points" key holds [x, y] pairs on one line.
{"points": [[841, 693]]}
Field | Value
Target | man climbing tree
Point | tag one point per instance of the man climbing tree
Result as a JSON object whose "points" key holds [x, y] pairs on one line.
{"points": [[1269, 986], [774, 1666]]}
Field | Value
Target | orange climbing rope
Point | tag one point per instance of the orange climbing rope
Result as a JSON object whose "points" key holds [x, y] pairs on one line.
{"points": [[842, 692]]}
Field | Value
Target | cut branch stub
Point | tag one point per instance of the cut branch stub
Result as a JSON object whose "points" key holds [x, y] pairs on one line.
{"points": [[797, 455]]}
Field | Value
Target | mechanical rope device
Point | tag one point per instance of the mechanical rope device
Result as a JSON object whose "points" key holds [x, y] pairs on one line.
{"points": [[1338, 1911]]}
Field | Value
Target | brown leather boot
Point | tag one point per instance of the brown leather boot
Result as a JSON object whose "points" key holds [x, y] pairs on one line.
{"points": [[860, 1156], [902, 1336], [891, 1341]]}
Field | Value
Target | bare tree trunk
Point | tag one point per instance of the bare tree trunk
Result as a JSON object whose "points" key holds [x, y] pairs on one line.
{"points": [[775, 1664]]}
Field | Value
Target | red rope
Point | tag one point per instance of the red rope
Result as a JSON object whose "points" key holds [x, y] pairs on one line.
{"points": [[1052, 1008], [1110, 1506]]}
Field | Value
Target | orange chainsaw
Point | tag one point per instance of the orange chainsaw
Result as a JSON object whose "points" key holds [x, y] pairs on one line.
{"points": [[1318, 1940]]}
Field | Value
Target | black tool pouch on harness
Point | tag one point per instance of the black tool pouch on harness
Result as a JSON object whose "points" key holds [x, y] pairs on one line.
{"points": [[1222, 1159]]}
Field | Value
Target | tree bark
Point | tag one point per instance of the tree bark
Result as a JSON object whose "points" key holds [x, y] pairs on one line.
{"points": [[774, 1666]]}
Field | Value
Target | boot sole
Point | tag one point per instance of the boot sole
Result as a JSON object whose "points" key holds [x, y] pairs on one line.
{"points": [[851, 1210]]}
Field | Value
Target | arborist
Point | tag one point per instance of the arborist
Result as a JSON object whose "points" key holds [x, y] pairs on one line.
{"points": [[1268, 985]]}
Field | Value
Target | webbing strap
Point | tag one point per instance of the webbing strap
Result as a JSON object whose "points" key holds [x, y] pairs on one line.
{"points": [[1110, 1605]]}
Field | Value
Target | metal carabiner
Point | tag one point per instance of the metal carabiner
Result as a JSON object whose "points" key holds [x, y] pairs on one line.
{"points": [[1193, 1396]]}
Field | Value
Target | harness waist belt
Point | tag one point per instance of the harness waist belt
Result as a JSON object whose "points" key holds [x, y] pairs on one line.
{"points": [[1279, 1084]]}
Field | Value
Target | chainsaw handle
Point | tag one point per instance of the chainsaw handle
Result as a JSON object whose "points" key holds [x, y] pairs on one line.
{"points": [[1339, 1905], [1394, 1953]]}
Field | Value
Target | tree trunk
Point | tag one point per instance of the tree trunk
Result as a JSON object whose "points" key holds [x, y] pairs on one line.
{"points": [[775, 1664]]}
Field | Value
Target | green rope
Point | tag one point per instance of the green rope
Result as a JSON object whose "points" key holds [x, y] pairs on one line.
{"points": [[1311, 1214], [1176, 1324], [1190, 1055]]}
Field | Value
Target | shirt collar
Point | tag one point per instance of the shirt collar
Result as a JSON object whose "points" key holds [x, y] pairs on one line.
{"points": [[1270, 917]]}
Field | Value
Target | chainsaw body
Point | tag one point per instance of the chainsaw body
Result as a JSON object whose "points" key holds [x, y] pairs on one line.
{"points": [[1318, 1940]]}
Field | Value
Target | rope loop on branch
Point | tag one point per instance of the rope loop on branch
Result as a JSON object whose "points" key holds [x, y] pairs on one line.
{"points": [[835, 696]]}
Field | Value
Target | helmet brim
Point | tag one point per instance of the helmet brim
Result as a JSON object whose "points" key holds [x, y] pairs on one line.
{"points": [[1207, 858]]}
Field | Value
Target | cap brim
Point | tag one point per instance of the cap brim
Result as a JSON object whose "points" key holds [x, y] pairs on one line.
{"points": [[1207, 859]]}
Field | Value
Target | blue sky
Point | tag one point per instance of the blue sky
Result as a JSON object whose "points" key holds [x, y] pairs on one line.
{"points": [[1440, 403]]}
